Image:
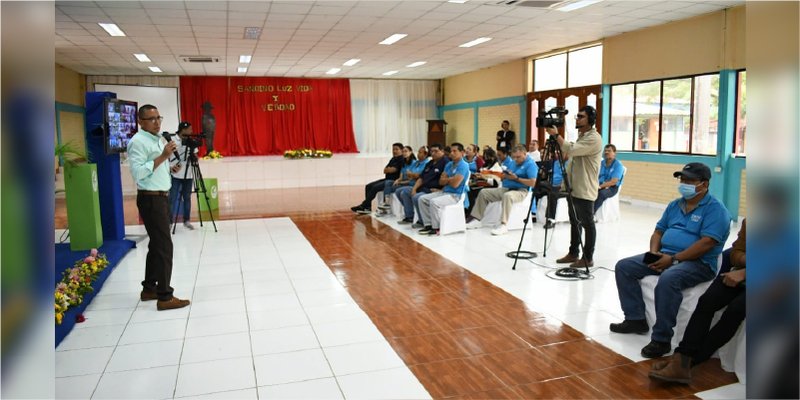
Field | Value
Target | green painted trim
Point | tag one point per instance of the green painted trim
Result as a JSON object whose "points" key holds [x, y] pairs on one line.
{"points": [[733, 184], [475, 123], [502, 101], [605, 94], [725, 137], [69, 108]]}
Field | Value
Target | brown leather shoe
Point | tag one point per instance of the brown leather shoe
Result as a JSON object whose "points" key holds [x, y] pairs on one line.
{"points": [[171, 304], [678, 370], [569, 258], [147, 295], [582, 264]]}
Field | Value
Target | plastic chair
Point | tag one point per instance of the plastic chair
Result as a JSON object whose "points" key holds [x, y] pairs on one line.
{"points": [[452, 217], [609, 210], [562, 210]]}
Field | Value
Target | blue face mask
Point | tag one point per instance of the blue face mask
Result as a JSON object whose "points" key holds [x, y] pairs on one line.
{"points": [[688, 191]]}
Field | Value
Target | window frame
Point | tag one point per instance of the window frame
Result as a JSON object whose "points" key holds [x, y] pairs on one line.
{"points": [[736, 114], [567, 52], [661, 113]]}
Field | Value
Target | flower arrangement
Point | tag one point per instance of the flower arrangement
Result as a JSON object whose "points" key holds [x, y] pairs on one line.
{"points": [[77, 281], [213, 155], [307, 153]]}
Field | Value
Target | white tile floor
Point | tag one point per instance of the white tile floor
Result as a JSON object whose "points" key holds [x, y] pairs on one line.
{"points": [[268, 320]]}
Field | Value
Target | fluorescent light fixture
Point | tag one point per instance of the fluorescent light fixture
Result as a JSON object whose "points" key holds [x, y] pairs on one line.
{"points": [[576, 5], [457, 1], [112, 29], [155, 69], [351, 62], [390, 73], [241, 69], [245, 59], [394, 38], [476, 42], [333, 71], [416, 64], [142, 57]]}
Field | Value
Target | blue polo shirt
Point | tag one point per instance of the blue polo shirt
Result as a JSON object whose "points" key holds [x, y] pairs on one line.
{"points": [[681, 230], [558, 175], [614, 171], [453, 169], [416, 167], [508, 163], [527, 170]]}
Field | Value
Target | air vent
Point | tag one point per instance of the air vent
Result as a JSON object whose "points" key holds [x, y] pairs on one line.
{"points": [[199, 59]]}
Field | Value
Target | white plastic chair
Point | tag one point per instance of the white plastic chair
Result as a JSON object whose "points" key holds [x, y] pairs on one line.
{"points": [[452, 217], [690, 297], [494, 212], [609, 210], [562, 211]]}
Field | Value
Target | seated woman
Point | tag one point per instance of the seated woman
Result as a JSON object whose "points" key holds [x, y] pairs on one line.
{"points": [[489, 157], [474, 161], [478, 181]]}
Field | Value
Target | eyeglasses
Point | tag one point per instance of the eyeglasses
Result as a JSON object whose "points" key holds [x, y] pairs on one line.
{"points": [[578, 116], [153, 119]]}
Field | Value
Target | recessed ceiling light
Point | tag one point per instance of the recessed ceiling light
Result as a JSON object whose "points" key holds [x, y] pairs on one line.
{"points": [[241, 69], [333, 71], [394, 38], [351, 62], [244, 59], [252, 32], [112, 29], [390, 73], [155, 69], [476, 42], [576, 5], [457, 1], [416, 64], [142, 57]]}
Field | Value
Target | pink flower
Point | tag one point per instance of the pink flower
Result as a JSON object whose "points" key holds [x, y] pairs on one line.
{"points": [[93, 253], [88, 260]]}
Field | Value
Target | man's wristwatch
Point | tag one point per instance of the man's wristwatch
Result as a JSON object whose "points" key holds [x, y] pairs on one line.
{"points": [[674, 260]]}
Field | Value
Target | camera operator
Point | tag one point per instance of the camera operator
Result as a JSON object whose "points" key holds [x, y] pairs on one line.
{"points": [[182, 178], [582, 171]]}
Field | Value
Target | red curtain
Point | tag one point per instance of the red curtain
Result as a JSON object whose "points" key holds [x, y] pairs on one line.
{"points": [[261, 116]]}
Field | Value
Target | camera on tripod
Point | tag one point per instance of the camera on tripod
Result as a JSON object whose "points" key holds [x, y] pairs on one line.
{"points": [[193, 141], [552, 118]]}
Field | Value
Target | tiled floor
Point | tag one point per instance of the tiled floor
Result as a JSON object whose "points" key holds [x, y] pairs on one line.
{"points": [[329, 305]]}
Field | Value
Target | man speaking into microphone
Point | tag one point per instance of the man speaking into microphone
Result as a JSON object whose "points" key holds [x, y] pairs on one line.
{"points": [[149, 157]]}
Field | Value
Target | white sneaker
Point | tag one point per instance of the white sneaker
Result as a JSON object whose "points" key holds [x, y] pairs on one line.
{"points": [[474, 224], [188, 225], [500, 230]]}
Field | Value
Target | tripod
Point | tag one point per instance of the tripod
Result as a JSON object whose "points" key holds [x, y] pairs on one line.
{"points": [[199, 186]]}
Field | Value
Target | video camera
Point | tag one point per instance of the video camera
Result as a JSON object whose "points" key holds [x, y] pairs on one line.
{"points": [[552, 118], [193, 141]]}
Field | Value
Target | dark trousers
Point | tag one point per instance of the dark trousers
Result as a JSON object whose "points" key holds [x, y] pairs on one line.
{"points": [[552, 201], [370, 191], [472, 196], [154, 211], [180, 198], [698, 341], [583, 210], [603, 195]]}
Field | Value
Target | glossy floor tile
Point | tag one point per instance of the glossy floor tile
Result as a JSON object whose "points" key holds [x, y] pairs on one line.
{"points": [[326, 304]]}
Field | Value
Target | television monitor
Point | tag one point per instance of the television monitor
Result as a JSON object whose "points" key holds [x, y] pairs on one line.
{"points": [[120, 124]]}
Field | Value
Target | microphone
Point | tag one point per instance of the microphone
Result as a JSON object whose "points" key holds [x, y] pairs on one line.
{"points": [[168, 137]]}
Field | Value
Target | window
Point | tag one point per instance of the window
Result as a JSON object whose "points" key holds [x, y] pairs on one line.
{"points": [[671, 115], [574, 68], [741, 114]]}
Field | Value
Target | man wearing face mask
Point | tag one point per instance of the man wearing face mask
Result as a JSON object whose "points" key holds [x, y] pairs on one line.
{"points": [[683, 251]]}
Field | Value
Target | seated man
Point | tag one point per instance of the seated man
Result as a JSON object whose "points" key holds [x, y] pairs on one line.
{"points": [[533, 151], [610, 176], [518, 179], [683, 250], [551, 188], [427, 182], [454, 183], [392, 172], [699, 343]]}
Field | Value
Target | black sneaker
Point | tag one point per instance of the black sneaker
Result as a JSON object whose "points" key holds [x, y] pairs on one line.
{"points": [[363, 211], [426, 230], [549, 225], [404, 221], [356, 209], [432, 232], [630, 326], [655, 349]]}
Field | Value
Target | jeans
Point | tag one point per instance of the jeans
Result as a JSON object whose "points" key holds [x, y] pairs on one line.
{"points": [[603, 195], [583, 210], [668, 292], [180, 194], [403, 195], [154, 211]]}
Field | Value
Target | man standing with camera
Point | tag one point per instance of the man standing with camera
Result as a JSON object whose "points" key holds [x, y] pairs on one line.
{"points": [[582, 172], [182, 176], [148, 157]]}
